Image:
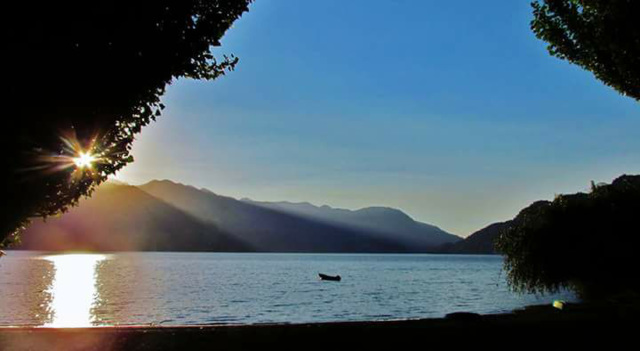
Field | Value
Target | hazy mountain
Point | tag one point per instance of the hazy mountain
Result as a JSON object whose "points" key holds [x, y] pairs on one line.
{"points": [[166, 216], [124, 218], [480, 242], [276, 228], [381, 222]]}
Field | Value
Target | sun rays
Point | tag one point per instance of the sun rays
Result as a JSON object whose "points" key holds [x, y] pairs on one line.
{"points": [[84, 160], [79, 158]]}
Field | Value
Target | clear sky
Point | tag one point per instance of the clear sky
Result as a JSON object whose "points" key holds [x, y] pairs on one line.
{"points": [[449, 110]]}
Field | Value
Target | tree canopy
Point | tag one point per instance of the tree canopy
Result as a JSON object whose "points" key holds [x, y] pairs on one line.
{"points": [[83, 79], [602, 36], [586, 242], [583, 242]]}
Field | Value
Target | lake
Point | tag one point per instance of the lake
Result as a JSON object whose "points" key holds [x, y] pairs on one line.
{"points": [[74, 290]]}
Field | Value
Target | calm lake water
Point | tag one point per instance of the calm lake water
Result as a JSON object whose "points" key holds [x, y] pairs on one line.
{"points": [[211, 288]]}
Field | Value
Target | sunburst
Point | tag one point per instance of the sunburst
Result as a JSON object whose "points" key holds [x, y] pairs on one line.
{"points": [[84, 159]]}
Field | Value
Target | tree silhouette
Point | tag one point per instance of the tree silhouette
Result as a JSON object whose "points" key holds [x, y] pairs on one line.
{"points": [[584, 242], [602, 36], [83, 80]]}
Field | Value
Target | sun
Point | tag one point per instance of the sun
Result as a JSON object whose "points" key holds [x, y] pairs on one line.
{"points": [[84, 160]]}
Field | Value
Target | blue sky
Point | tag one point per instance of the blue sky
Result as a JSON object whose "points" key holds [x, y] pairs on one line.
{"points": [[451, 111]]}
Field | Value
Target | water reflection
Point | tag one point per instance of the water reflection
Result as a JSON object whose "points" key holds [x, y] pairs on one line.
{"points": [[73, 290], [203, 288]]}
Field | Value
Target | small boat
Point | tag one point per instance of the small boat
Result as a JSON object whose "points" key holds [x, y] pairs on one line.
{"points": [[335, 278]]}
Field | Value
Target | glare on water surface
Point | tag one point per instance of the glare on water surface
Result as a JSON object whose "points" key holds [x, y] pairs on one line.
{"points": [[73, 290]]}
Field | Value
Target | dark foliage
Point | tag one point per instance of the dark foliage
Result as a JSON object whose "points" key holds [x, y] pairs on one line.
{"points": [[584, 242], [602, 36], [87, 78]]}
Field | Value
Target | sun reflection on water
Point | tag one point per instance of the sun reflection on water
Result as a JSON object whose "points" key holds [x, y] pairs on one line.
{"points": [[73, 290]]}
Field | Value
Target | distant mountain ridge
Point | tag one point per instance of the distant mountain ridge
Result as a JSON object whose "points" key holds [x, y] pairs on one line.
{"points": [[278, 227], [480, 242], [124, 218], [380, 221], [168, 216]]}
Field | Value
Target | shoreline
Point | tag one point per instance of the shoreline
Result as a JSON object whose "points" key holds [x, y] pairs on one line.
{"points": [[106, 252], [577, 324]]}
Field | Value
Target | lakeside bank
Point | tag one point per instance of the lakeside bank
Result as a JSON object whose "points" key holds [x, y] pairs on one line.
{"points": [[538, 326]]}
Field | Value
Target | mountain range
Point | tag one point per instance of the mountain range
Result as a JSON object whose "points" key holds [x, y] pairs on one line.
{"points": [[125, 218], [480, 242], [168, 216], [381, 222]]}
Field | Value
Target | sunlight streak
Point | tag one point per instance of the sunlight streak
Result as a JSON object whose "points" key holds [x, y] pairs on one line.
{"points": [[73, 290], [76, 157]]}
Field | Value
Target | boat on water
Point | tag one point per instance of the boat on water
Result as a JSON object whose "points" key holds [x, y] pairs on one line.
{"points": [[335, 278]]}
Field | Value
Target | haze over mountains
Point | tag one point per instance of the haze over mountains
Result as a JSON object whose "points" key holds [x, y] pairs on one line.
{"points": [[378, 221], [167, 216], [125, 218]]}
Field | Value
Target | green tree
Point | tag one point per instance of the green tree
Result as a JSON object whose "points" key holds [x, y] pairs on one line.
{"points": [[602, 36], [82, 80]]}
